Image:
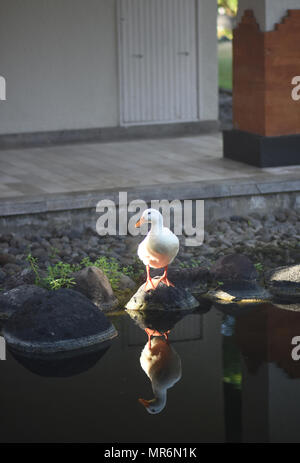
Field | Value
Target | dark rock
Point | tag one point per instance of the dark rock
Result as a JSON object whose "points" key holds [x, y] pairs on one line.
{"points": [[13, 300], [5, 238], [94, 284], [126, 282], [65, 239], [7, 259], [235, 279], [233, 267], [73, 234], [25, 277], [162, 321], [93, 242], [194, 279], [237, 218], [162, 298], [157, 320], [284, 282], [65, 252], [281, 216], [39, 253], [57, 321], [2, 276], [243, 293], [10, 269], [13, 251]]}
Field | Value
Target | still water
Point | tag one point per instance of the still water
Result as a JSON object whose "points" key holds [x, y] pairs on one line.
{"points": [[229, 373]]}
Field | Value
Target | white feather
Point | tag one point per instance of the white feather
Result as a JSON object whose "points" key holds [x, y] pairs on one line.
{"points": [[161, 246]]}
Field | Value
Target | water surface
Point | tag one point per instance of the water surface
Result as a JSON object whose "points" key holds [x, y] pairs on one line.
{"points": [[238, 383]]}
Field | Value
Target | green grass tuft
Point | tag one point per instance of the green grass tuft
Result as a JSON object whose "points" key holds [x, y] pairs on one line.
{"points": [[59, 275], [225, 65]]}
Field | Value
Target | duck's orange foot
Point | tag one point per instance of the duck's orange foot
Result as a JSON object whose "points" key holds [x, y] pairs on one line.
{"points": [[165, 280], [166, 335], [150, 284], [151, 332]]}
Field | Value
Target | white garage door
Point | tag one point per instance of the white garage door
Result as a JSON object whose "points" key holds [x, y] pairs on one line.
{"points": [[158, 61]]}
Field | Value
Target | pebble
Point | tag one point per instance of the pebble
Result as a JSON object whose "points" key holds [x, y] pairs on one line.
{"points": [[7, 259], [11, 269], [2, 276]]}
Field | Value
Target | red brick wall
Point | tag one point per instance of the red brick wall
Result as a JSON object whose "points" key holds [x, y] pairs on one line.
{"points": [[264, 64]]}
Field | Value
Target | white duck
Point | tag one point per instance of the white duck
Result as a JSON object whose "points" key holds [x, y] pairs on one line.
{"points": [[162, 365], [158, 249]]}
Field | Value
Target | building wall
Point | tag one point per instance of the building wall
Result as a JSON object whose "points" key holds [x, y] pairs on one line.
{"points": [[60, 64], [208, 59]]}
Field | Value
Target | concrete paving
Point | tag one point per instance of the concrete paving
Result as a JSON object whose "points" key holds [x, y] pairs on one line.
{"points": [[54, 174]]}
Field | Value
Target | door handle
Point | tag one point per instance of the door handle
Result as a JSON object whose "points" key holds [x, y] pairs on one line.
{"points": [[138, 56], [185, 53]]}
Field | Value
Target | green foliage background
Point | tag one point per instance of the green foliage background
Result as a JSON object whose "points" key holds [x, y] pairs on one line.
{"points": [[230, 6]]}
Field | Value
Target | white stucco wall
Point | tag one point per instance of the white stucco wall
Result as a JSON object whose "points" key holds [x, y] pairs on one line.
{"points": [[59, 59], [267, 12], [208, 59], [60, 62]]}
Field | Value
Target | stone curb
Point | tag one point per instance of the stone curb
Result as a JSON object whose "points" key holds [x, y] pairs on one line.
{"points": [[262, 184]]}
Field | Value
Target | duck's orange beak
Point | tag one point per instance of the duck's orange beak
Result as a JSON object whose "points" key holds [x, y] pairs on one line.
{"points": [[144, 402], [139, 223]]}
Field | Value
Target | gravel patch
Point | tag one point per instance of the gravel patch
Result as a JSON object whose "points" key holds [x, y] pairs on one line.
{"points": [[269, 241]]}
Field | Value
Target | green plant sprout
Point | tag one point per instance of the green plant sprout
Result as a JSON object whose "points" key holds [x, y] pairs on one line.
{"points": [[194, 263], [259, 266], [60, 275], [33, 262], [53, 252], [111, 268]]}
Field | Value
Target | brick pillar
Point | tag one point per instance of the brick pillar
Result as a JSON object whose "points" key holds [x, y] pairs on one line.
{"points": [[266, 118]]}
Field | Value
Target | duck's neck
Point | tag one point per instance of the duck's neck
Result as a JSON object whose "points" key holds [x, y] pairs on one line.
{"points": [[160, 398], [156, 226]]}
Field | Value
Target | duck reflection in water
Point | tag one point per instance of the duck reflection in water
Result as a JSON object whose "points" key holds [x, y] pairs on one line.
{"points": [[162, 365]]}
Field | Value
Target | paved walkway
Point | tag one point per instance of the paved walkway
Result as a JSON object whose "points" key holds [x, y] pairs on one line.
{"points": [[82, 167], [77, 171]]}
